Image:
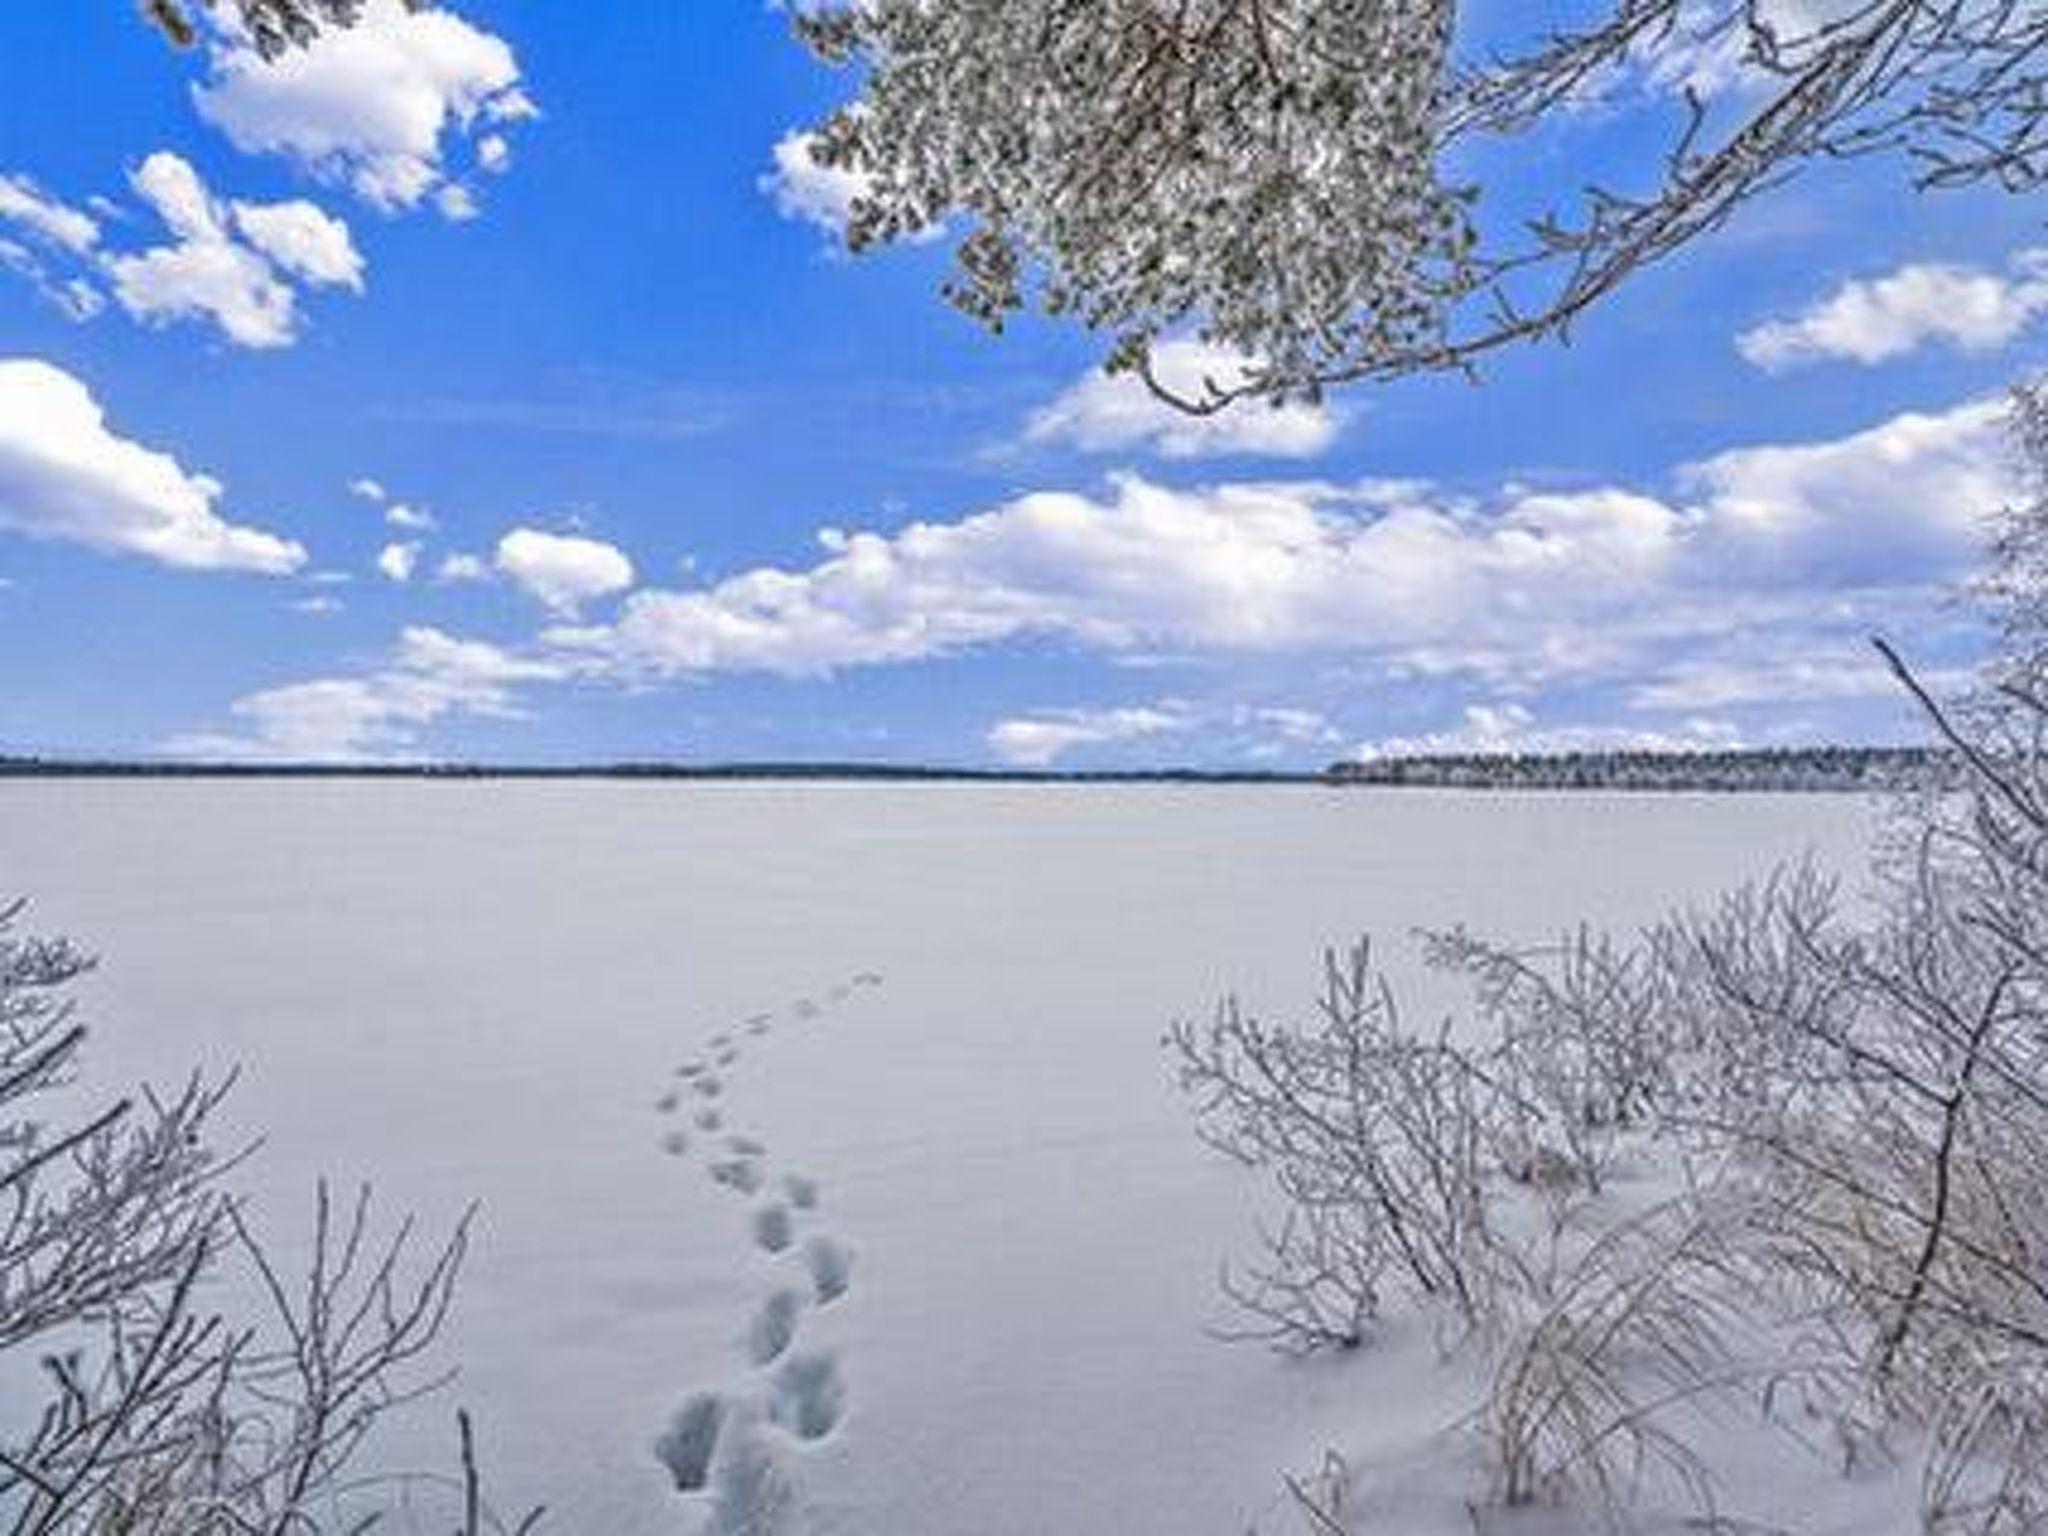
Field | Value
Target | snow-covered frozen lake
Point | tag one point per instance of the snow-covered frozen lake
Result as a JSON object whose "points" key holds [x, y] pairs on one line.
{"points": [[944, 1005]]}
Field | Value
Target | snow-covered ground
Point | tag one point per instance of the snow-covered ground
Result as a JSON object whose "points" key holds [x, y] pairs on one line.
{"points": [[954, 1274]]}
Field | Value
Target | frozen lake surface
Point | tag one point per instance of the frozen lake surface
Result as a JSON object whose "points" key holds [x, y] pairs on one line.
{"points": [[981, 1304]]}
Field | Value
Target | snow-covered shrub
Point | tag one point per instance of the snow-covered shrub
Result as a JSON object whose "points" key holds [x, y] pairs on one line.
{"points": [[1649, 1313], [1377, 1139], [156, 1413], [1835, 1121]]}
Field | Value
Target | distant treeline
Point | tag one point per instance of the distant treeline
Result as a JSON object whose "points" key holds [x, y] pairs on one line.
{"points": [[1787, 768], [65, 767], [1775, 768]]}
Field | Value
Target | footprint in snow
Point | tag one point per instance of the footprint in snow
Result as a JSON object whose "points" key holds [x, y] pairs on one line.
{"points": [[830, 1263], [808, 1396], [687, 1446], [751, 1491], [774, 1327], [742, 1174], [730, 1448]]}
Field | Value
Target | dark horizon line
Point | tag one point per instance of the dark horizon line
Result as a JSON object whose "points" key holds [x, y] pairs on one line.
{"points": [[1354, 770]]}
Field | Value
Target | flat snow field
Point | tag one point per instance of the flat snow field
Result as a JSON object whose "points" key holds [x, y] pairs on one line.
{"points": [[844, 1102]]}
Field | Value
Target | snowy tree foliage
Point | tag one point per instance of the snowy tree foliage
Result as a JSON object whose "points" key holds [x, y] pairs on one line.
{"points": [[1308, 183], [274, 24]]}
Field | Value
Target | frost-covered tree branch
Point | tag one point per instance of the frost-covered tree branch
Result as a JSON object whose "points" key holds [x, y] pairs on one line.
{"points": [[1328, 187]]}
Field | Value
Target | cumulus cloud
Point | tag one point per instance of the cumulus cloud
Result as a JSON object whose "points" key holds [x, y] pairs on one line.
{"points": [[1039, 738], [564, 571], [64, 474], [1515, 592], [462, 568], [404, 515], [1826, 673], [398, 561], [1113, 412], [25, 205], [1500, 729], [431, 676], [304, 241], [1909, 495], [380, 106], [1874, 320], [1035, 741], [230, 263]]}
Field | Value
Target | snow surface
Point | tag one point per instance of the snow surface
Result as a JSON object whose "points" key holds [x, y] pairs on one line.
{"points": [[829, 1158]]}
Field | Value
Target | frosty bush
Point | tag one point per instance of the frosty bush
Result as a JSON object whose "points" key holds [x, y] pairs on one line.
{"points": [[1834, 1131], [157, 1414]]}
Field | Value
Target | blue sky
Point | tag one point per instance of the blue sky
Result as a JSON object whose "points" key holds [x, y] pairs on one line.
{"points": [[478, 388]]}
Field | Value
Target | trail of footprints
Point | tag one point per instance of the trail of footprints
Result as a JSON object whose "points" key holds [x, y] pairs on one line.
{"points": [[731, 1448]]}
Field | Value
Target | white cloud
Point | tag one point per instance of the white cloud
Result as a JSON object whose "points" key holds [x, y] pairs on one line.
{"points": [[432, 676], [1036, 741], [1731, 682], [1871, 321], [804, 190], [402, 515], [1529, 587], [318, 603], [376, 105], [462, 568], [23, 203], [819, 195], [1707, 51], [1909, 495], [1041, 737], [65, 475], [208, 272], [1295, 727], [457, 204], [304, 241], [398, 561], [77, 297], [1505, 728], [564, 571], [1109, 412]]}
